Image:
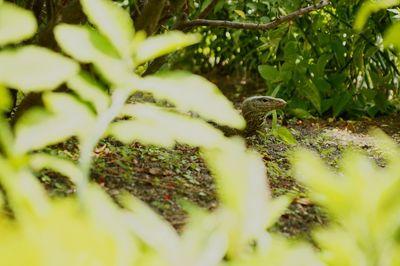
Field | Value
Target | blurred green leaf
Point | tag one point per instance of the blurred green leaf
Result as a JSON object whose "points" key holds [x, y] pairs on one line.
{"points": [[328, 191], [89, 46], [369, 7], [339, 248], [190, 92], [205, 239], [239, 176], [40, 161], [113, 22], [391, 36], [5, 99], [278, 251], [38, 128], [32, 68], [156, 46], [158, 126], [89, 90], [83, 43], [153, 230], [16, 24], [362, 199], [277, 207]]}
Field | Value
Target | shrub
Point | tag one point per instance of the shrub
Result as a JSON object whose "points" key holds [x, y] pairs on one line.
{"points": [[94, 231]]}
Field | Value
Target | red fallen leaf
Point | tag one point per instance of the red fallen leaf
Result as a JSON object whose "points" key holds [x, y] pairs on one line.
{"points": [[101, 180], [167, 197]]}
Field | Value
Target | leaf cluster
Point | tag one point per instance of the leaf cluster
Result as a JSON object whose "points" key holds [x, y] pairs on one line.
{"points": [[90, 229], [318, 62], [96, 230]]}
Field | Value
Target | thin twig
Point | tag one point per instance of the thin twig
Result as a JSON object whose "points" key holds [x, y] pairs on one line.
{"points": [[253, 26]]}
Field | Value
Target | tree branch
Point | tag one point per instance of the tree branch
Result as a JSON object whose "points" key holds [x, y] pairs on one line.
{"points": [[150, 16], [253, 26]]}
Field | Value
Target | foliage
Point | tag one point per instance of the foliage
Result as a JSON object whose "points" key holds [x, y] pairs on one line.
{"points": [[362, 200], [317, 62], [94, 229]]}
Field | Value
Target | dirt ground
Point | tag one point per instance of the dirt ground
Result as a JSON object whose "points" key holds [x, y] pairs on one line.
{"points": [[163, 177]]}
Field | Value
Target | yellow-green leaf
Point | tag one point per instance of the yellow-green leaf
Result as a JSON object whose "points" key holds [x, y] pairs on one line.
{"points": [[89, 90], [159, 45], [37, 128], [71, 110], [83, 43], [39, 161], [284, 134], [369, 7], [193, 93], [240, 13], [153, 125], [144, 222], [33, 68], [5, 99], [277, 207], [112, 21], [16, 24], [89, 46], [242, 188], [391, 36]]}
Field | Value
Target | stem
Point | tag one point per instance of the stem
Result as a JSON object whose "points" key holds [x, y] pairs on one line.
{"points": [[253, 26], [6, 137], [118, 100]]}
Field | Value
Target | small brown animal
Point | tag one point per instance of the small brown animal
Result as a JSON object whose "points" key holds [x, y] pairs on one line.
{"points": [[255, 108]]}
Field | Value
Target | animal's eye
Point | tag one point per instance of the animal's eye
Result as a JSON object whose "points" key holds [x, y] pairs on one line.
{"points": [[265, 100]]}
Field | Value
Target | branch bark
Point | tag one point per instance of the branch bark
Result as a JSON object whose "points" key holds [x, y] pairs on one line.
{"points": [[150, 16], [252, 26]]}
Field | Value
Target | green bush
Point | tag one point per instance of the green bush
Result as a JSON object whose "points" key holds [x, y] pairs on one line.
{"points": [[362, 202], [317, 62], [90, 229]]}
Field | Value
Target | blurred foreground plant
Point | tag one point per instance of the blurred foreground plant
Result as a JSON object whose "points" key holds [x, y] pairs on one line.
{"points": [[362, 200], [90, 229]]}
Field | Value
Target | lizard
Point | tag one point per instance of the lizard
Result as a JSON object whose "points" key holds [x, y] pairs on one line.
{"points": [[254, 110]]}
